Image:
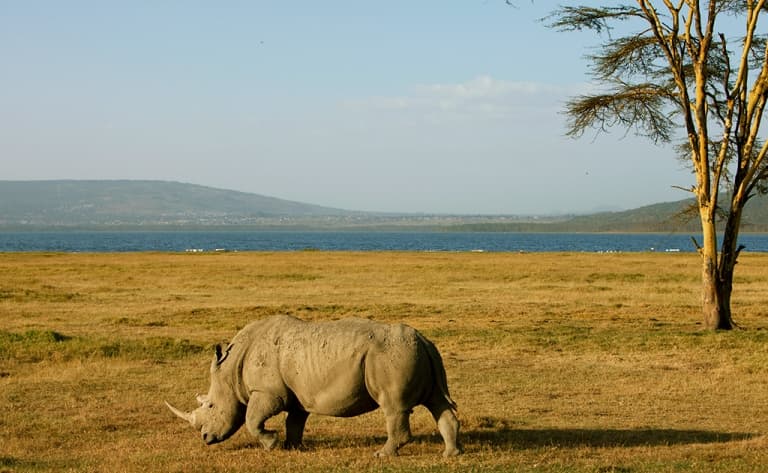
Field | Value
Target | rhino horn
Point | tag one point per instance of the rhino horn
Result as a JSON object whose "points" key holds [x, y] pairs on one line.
{"points": [[181, 414]]}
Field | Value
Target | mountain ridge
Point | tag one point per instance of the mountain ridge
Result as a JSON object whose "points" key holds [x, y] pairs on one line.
{"points": [[105, 202], [151, 204]]}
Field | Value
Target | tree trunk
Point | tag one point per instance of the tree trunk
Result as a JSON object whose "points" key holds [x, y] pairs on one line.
{"points": [[717, 302], [717, 283], [717, 273], [729, 255]]}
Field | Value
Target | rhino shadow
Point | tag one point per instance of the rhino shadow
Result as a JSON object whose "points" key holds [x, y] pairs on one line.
{"points": [[523, 439], [516, 438]]}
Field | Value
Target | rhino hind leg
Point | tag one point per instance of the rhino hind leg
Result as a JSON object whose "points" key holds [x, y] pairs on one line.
{"points": [[294, 428], [398, 433], [261, 407], [447, 425]]}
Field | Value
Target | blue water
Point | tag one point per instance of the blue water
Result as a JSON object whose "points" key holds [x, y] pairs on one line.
{"points": [[353, 241]]}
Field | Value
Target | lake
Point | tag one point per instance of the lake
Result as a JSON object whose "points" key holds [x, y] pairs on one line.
{"points": [[180, 241]]}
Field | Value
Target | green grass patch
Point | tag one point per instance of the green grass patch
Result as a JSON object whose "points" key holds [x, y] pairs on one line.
{"points": [[44, 293], [293, 277], [35, 346], [615, 277]]}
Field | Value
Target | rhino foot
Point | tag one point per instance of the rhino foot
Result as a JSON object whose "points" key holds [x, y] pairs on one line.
{"points": [[385, 452], [293, 446], [451, 452], [268, 440]]}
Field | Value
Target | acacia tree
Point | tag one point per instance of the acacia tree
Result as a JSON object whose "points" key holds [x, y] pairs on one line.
{"points": [[678, 72]]}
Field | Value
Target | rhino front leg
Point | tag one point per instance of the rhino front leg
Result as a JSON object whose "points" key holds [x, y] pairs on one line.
{"points": [[398, 433], [294, 428], [261, 407]]}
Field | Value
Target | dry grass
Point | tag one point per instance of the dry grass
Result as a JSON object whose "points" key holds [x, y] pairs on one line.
{"points": [[559, 362]]}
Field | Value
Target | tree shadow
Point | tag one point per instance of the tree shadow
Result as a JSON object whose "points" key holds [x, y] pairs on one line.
{"points": [[505, 437]]}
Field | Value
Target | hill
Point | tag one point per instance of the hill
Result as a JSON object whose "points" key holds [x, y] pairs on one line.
{"points": [[72, 203], [678, 216], [670, 216], [123, 204]]}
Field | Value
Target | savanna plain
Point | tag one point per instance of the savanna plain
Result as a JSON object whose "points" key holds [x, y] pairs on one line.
{"points": [[559, 362]]}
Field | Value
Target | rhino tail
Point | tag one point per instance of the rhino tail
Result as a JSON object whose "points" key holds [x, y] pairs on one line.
{"points": [[438, 370]]}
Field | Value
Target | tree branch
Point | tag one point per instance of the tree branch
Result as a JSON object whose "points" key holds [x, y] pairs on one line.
{"points": [[580, 18], [637, 106]]}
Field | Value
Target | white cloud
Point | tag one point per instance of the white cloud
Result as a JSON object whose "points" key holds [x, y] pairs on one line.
{"points": [[482, 97], [482, 87]]}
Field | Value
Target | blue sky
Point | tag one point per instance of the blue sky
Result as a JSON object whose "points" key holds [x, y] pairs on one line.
{"points": [[402, 106]]}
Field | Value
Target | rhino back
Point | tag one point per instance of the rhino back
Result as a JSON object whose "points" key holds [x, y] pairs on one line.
{"points": [[340, 368]]}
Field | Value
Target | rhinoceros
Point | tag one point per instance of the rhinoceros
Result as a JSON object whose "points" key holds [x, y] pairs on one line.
{"points": [[342, 368]]}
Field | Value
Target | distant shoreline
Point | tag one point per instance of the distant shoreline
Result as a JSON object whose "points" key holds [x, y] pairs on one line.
{"points": [[543, 228]]}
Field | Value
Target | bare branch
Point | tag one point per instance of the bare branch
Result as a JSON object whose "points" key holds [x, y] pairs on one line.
{"points": [[692, 190]]}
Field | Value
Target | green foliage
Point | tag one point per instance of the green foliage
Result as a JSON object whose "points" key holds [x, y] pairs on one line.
{"points": [[598, 19]]}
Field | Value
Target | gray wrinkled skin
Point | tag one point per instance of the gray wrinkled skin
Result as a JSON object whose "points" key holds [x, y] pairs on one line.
{"points": [[343, 369]]}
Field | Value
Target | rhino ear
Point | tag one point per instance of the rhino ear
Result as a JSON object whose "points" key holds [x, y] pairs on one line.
{"points": [[216, 358], [220, 356]]}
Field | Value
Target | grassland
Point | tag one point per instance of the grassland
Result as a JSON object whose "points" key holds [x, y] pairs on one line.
{"points": [[559, 362]]}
